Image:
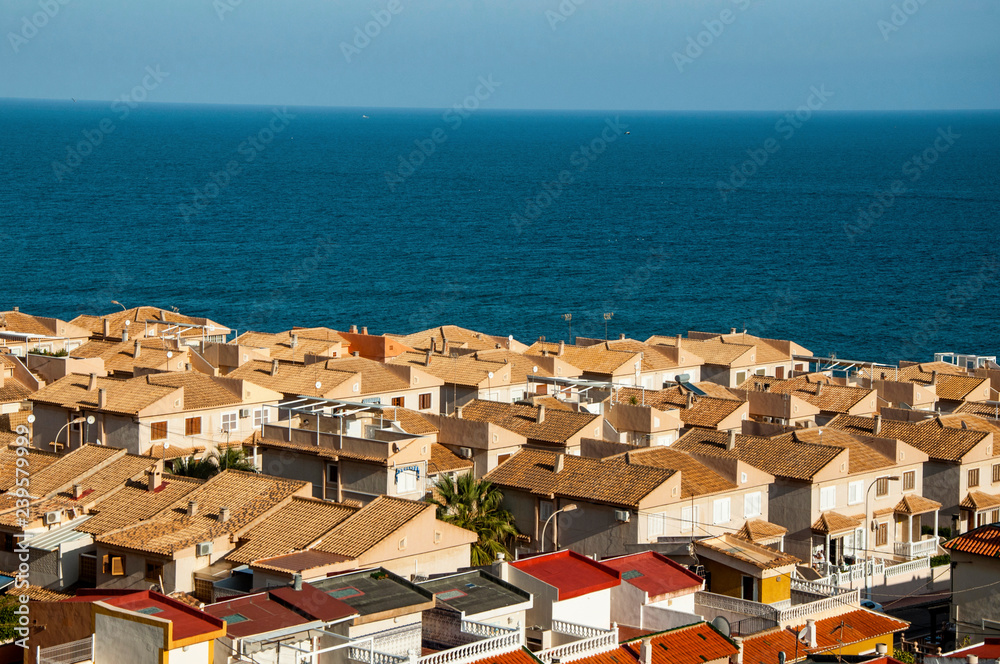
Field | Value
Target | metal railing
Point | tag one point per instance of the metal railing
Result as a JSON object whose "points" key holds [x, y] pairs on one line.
{"points": [[67, 653], [752, 625], [605, 641], [734, 604]]}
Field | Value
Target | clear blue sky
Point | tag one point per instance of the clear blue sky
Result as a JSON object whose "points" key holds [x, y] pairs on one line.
{"points": [[605, 55]]}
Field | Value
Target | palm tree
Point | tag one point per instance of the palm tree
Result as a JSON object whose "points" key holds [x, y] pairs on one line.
{"points": [[193, 467], [233, 458], [476, 505]]}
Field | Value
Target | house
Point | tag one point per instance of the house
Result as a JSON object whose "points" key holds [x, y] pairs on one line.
{"points": [[694, 410], [739, 568], [144, 322], [536, 426], [729, 359], [823, 491], [349, 451], [700, 643], [262, 625], [450, 338], [655, 593], [313, 538], [297, 346], [821, 392], [136, 626], [480, 597], [622, 362], [444, 462], [21, 334], [851, 633], [16, 384], [962, 471], [975, 573], [952, 385], [380, 348], [125, 359], [179, 408], [630, 419], [660, 364]]}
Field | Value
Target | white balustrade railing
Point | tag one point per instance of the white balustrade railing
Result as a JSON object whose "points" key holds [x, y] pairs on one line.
{"points": [[485, 630], [497, 645], [733, 604], [799, 611], [577, 630], [67, 653], [910, 550], [595, 645], [908, 567], [362, 654]]}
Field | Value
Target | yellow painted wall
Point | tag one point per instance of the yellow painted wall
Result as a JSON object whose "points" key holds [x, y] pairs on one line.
{"points": [[725, 580], [775, 589], [863, 646]]}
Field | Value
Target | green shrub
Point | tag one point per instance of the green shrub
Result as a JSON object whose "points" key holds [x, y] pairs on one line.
{"points": [[903, 656], [938, 561]]}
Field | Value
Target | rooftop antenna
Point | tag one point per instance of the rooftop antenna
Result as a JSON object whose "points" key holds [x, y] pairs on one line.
{"points": [[569, 319], [607, 316]]}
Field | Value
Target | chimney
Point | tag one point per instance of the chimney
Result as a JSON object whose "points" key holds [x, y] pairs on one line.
{"points": [[102, 398], [954, 525], [690, 399], [972, 659], [364, 330], [107, 328], [811, 627], [964, 425], [434, 343], [646, 652], [187, 366], [878, 424], [560, 462], [274, 367], [354, 329], [819, 388], [731, 440], [444, 346], [621, 336], [138, 350], [223, 514], [356, 353], [77, 490], [458, 412], [427, 359], [679, 340], [540, 415], [92, 385], [154, 478], [732, 330], [934, 377], [545, 353], [295, 340], [192, 508], [562, 347], [296, 582], [125, 334]]}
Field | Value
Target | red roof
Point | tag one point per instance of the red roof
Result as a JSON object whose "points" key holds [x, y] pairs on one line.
{"points": [[519, 656], [694, 644], [984, 541], [989, 649], [187, 621], [763, 648], [254, 614], [570, 573], [853, 627], [654, 573], [314, 602]]}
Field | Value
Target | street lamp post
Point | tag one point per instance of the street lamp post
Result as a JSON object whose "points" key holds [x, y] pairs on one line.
{"points": [[868, 493], [568, 508], [607, 316], [76, 420]]}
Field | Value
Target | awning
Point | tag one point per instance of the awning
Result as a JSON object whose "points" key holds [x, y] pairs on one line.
{"points": [[832, 523], [913, 504]]}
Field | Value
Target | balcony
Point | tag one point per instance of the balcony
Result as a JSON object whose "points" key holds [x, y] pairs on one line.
{"points": [[927, 546], [809, 600], [74, 652]]}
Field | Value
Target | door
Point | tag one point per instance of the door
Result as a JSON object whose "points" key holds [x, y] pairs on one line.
{"points": [[749, 589]]}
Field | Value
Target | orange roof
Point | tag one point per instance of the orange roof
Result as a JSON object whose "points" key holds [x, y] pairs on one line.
{"points": [[693, 644], [853, 627], [520, 656], [984, 541]]}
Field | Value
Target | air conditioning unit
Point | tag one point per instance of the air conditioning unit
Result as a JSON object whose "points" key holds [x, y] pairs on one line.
{"points": [[623, 516], [203, 549], [244, 412], [53, 517], [465, 452]]}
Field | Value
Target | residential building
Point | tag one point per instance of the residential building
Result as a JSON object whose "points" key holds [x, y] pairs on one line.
{"points": [[452, 338], [16, 384], [822, 392], [739, 568], [975, 574], [623, 361], [693, 409], [655, 594], [143, 322], [952, 385], [537, 426], [480, 597], [125, 359], [21, 334], [848, 633], [297, 346]]}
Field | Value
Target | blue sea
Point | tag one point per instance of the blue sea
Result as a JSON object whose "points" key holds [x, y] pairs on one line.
{"points": [[868, 235]]}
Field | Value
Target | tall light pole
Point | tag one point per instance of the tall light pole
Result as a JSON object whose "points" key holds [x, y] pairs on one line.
{"points": [[568, 508], [119, 304], [569, 320], [76, 420], [868, 493], [607, 316]]}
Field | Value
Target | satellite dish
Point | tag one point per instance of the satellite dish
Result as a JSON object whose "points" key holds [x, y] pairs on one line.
{"points": [[534, 369], [31, 419], [490, 375], [127, 323], [90, 419], [722, 625], [318, 384], [782, 657], [170, 354]]}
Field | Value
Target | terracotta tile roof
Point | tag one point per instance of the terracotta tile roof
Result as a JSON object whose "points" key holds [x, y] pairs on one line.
{"points": [[984, 410], [13, 391], [706, 411], [609, 481], [293, 379], [16, 321], [763, 647], [551, 403], [444, 460], [984, 541], [953, 383], [289, 529], [473, 369], [716, 390], [9, 423], [136, 503], [653, 358], [247, 495], [758, 530], [38, 593], [174, 452], [654, 573], [520, 656], [200, 391], [138, 316], [853, 627], [599, 359], [376, 378], [313, 449], [783, 456], [458, 337], [410, 421], [833, 522], [692, 644], [929, 436], [62, 472], [979, 500], [36, 460], [697, 479], [299, 561], [120, 355], [914, 504], [370, 525], [961, 419], [557, 426], [757, 555], [124, 396], [313, 341], [832, 398]]}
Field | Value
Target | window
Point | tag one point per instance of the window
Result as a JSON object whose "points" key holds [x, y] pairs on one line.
{"points": [[720, 511], [406, 481], [399, 402], [741, 377], [425, 401], [229, 421], [996, 473], [261, 416], [689, 518], [981, 519], [331, 474], [909, 480], [973, 477], [402, 544], [502, 457], [7, 541], [656, 525], [855, 492], [882, 534], [192, 426], [154, 571], [994, 516], [827, 498], [881, 487], [544, 510], [113, 565], [751, 504], [157, 430]]}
